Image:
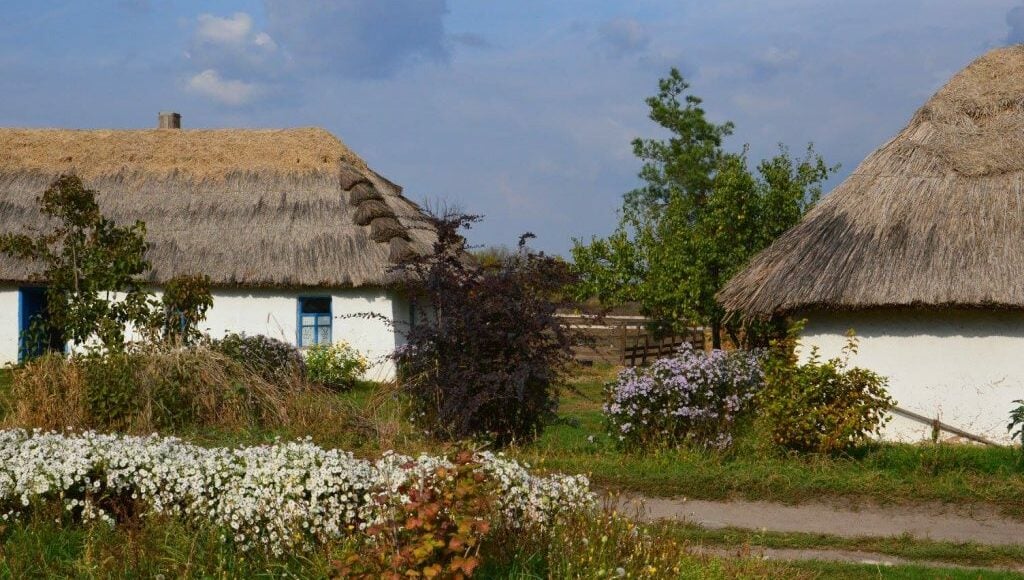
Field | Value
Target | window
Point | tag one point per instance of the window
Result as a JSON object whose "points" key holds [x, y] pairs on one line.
{"points": [[314, 321]]}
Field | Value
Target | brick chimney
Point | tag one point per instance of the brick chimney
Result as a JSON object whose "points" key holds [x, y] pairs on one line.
{"points": [[169, 120]]}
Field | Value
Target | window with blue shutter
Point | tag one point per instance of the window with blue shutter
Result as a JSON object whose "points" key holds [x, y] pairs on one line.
{"points": [[314, 320]]}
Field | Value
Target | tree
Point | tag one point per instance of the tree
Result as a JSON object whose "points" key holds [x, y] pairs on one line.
{"points": [[92, 267], [183, 306], [700, 215]]}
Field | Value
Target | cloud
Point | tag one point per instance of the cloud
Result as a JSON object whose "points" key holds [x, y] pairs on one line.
{"points": [[210, 84], [359, 38], [232, 30], [1015, 20], [623, 36], [771, 61], [232, 43]]}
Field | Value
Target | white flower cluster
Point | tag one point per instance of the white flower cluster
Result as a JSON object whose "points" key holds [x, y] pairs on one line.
{"points": [[276, 497]]}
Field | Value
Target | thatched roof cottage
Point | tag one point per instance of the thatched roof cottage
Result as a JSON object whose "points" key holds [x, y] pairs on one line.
{"points": [[921, 252], [292, 227]]}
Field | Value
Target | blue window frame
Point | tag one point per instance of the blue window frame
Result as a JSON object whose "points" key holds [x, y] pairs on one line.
{"points": [[314, 320]]}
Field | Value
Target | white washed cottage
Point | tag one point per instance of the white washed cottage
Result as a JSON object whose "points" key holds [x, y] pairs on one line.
{"points": [[295, 231], [921, 252]]}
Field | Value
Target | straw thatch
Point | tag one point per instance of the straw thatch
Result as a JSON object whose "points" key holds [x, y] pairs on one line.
{"points": [[291, 207], [935, 217]]}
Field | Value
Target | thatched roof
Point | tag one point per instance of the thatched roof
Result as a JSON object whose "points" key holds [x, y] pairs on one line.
{"points": [[934, 217], [291, 207]]}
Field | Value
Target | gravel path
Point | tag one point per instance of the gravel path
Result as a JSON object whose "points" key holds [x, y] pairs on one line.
{"points": [[934, 522]]}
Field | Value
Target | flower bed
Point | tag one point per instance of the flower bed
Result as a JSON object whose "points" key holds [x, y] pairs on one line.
{"points": [[290, 495]]}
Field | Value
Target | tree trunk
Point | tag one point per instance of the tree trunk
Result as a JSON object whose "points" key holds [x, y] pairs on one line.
{"points": [[731, 329], [716, 334]]}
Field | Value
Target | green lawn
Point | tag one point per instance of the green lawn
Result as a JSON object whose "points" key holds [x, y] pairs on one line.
{"points": [[884, 473]]}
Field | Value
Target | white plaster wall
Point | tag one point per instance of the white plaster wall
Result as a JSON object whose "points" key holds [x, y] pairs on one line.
{"points": [[964, 367], [9, 314], [272, 313]]}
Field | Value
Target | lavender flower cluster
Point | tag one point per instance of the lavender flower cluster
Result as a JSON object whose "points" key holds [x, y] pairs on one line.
{"points": [[691, 397]]}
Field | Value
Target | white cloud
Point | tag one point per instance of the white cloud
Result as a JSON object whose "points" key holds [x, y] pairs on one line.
{"points": [[233, 44], [210, 84], [264, 41], [232, 30]]}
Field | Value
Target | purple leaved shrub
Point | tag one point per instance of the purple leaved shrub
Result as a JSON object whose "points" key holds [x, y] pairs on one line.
{"points": [[689, 398]]}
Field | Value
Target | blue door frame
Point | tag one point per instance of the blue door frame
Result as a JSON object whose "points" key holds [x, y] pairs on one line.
{"points": [[32, 306]]}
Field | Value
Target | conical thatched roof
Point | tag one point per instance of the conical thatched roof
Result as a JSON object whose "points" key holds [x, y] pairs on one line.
{"points": [[935, 217], [291, 207]]}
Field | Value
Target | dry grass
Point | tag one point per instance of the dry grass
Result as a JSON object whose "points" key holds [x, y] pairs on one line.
{"points": [[931, 218], [143, 392], [204, 396]]}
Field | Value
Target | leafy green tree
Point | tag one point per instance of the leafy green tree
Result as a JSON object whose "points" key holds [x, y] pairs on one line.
{"points": [[700, 215], [92, 267], [183, 307]]}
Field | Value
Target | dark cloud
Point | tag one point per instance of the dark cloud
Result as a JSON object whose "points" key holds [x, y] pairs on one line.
{"points": [[1015, 20], [623, 36], [358, 38]]}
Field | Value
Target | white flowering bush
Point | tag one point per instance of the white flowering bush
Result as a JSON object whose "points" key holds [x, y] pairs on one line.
{"points": [[276, 498]]}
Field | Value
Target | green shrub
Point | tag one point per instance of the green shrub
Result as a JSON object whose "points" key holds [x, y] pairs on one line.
{"points": [[436, 533], [272, 359], [336, 366], [820, 406], [1017, 422], [110, 395], [183, 307]]}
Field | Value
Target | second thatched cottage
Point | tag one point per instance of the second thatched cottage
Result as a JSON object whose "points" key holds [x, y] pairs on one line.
{"points": [[921, 252], [295, 231]]}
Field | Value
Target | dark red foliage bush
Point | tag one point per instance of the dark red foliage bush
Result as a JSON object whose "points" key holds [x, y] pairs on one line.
{"points": [[485, 348]]}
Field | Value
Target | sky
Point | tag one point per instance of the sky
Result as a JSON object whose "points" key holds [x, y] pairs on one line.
{"points": [[520, 110]]}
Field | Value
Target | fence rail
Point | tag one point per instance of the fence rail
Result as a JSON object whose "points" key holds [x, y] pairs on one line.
{"points": [[938, 426], [624, 340]]}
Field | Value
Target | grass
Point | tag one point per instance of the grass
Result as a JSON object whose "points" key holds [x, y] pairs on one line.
{"points": [[881, 473], [909, 572], [577, 443], [41, 548], [5, 392], [44, 549], [904, 547]]}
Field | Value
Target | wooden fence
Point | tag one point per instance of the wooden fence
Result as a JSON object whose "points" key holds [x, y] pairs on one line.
{"points": [[624, 340]]}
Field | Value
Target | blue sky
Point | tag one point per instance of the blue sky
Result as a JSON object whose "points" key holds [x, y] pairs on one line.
{"points": [[520, 110]]}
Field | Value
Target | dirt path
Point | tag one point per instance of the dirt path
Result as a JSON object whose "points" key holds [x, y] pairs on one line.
{"points": [[934, 522], [847, 556]]}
